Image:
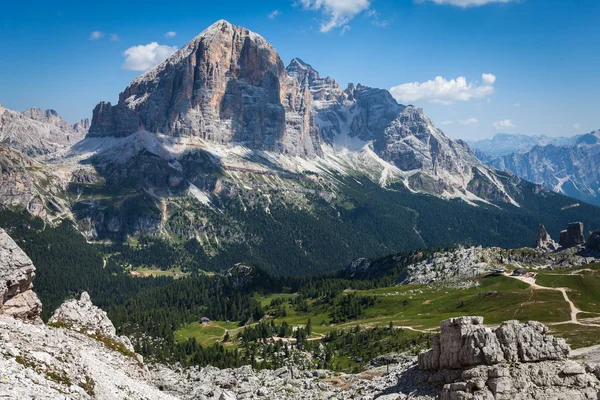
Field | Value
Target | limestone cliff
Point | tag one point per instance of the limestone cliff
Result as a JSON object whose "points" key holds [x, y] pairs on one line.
{"points": [[17, 298]]}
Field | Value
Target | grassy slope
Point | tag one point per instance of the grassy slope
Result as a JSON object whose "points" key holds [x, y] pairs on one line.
{"points": [[496, 298]]}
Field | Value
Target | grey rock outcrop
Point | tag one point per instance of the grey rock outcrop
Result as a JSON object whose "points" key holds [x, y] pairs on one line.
{"points": [[83, 316], [513, 361], [543, 241], [465, 342], [572, 236], [593, 241], [17, 298]]}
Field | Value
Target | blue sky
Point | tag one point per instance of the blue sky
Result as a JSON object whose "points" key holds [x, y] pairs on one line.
{"points": [[517, 66]]}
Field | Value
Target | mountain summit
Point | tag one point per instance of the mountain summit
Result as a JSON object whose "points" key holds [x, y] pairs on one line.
{"points": [[227, 85]]}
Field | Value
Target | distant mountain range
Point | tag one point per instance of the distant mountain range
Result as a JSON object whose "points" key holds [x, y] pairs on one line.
{"points": [[230, 156], [505, 143], [570, 166]]}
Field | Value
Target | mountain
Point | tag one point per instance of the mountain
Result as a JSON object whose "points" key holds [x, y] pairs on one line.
{"points": [[504, 143], [227, 85], [37, 132], [571, 169], [221, 155]]}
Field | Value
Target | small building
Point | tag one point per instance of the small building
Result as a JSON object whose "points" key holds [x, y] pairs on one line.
{"points": [[519, 272], [497, 271], [204, 321]]}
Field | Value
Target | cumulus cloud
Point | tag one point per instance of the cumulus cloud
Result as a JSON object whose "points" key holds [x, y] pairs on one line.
{"points": [[95, 35], [274, 14], [114, 37], [504, 124], [443, 91], [170, 34], [337, 12], [466, 3], [144, 57], [469, 121]]}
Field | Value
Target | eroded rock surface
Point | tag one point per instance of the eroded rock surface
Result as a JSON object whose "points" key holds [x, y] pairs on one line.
{"points": [[83, 316], [572, 236], [513, 361], [465, 342], [543, 240], [17, 298]]}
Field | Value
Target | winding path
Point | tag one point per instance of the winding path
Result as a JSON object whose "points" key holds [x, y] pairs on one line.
{"points": [[530, 280]]}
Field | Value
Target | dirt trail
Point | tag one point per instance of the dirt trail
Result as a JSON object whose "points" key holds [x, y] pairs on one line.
{"points": [[530, 280]]}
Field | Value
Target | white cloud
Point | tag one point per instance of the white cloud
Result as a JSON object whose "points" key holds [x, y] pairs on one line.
{"points": [[577, 126], [376, 21], [274, 14], [114, 37], [95, 35], [467, 3], [517, 104], [448, 122], [338, 12], [345, 29], [444, 91], [469, 121], [504, 124], [144, 57], [170, 34]]}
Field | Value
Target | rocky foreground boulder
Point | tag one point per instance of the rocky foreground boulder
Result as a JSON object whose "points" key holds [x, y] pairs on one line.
{"points": [[83, 316], [17, 271], [513, 361]]}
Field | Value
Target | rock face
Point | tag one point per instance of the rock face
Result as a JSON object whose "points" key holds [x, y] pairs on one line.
{"points": [[593, 241], [83, 316], [17, 298], [45, 362], [465, 342], [513, 361], [400, 135], [572, 236], [543, 241], [227, 85]]}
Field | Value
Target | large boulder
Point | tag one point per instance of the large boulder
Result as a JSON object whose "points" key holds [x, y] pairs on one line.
{"points": [[573, 236], [593, 241], [465, 342], [17, 271], [83, 316]]}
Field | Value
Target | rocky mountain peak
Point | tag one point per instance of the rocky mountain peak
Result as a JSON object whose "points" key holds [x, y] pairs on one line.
{"points": [[227, 85]]}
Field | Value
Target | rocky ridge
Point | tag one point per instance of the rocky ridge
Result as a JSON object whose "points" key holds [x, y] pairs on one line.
{"points": [[569, 168], [229, 87], [38, 133]]}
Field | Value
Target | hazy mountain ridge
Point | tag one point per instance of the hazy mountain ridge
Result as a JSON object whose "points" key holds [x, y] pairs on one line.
{"points": [[505, 143], [570, 169]]}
